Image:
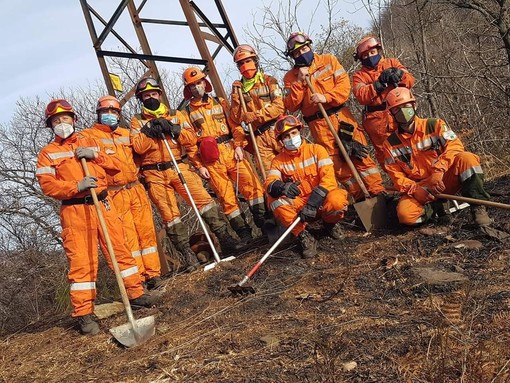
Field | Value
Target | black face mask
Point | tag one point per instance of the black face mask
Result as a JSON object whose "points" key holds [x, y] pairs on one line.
{"points": [[151, 103]]}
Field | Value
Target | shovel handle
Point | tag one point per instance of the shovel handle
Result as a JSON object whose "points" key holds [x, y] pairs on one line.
{"points": [[252, 135], [109, 246], [473, 201], [339, 142]]}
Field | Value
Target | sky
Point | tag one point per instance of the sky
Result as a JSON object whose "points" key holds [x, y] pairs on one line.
{"points": [[46, 45]]}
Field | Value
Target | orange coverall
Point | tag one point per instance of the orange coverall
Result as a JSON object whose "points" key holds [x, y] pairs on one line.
{"points": [[330, 79], [209, 120], [58, 172], [165, 182], [412, 158], [375, 116], [129, 197], [265, 99], [312, 165]]}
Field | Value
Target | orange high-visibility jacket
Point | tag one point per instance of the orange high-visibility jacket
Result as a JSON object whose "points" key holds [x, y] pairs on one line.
{"points": [[411, 158]]}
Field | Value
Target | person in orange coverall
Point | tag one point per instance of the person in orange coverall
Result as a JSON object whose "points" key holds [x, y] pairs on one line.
{"points": [[159, 173], [301, 182], [126, 191], [264, 103], [333, 87], [219, 155], [61, 176], [371, 83], [424, 157]]}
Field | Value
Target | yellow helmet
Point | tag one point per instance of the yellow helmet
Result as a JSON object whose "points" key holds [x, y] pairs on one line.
{"points": [[286, 123]]}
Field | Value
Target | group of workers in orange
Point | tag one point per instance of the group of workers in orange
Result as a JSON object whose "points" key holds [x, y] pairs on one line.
{"points": [[310, 181]]}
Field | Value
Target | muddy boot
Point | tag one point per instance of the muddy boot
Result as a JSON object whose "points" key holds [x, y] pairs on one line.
{"points": [[241, 228], [444, 217], [189, 257], [258, 212], [480, 215], [154, 283], [88, 326], [308, 244], [335, 231], [146, 300], [227, 243]]}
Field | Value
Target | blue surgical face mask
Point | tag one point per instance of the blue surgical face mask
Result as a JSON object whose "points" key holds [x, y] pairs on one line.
{"points": [[371, 61], [110, 120], [293, 143], [305, 59]]}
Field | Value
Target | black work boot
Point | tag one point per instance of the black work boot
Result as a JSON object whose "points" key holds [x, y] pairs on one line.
{"points": [[227, 243], [335, 231], [154, 283], [308, 244], [188, 256], [241, 228], [444, 217], [146, 300], [88, 326], [258, 212]]}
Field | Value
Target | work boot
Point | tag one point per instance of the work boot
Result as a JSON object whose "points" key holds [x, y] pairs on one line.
{"points": [[154, 283], [444, 217], [88, 326], [245, 234], [227, 243], [308, 244], [258, 212], [146, 300], [335, 231], [480, 215], [189, 257]]}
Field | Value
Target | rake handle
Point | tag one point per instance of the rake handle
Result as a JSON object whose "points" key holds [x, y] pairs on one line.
{"points": [[473, 201], [339, 142]]}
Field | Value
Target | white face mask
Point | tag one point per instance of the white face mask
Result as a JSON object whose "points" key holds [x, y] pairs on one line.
{"points": [[292, 143], [63, 130], [198, 90]]}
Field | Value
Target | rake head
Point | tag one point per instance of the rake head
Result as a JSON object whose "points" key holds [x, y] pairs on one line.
{"points": [[238, 290]]}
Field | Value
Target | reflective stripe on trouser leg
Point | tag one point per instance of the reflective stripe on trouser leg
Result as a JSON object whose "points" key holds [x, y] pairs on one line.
{"points": [[286, 211]]}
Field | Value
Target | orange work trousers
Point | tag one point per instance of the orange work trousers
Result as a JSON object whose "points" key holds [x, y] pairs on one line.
{"points": [[81, 233], [377, 126], [268, 147], [135, 211], [286, 210]]}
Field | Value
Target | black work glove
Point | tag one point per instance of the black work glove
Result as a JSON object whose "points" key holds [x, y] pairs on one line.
{"points": [[314, 203], [385, 75], [168, 127], [356, 149], [152, 130], [379, 86], [291, 189], [346, 131], [395, 76]]}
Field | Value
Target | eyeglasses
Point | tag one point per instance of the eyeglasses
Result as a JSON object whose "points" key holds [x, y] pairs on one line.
{"points": [[58, 105], [296, 38]]}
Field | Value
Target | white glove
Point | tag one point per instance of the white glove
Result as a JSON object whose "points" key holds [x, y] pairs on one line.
{"points": [[83, 152], [87, 183]]}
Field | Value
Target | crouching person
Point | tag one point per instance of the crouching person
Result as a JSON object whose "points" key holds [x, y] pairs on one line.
{"points": [[62, 177], [301, 182], [424, 157]]}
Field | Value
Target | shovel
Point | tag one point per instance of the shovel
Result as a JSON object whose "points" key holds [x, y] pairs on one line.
{"points": [[136, 331], [240, 289], [371, 211]]}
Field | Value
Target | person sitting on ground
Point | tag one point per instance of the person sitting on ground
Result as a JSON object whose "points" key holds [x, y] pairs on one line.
{"points": [[423, 158], [301, 182]]}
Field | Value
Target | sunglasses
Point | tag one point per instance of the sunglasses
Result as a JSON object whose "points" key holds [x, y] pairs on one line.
{"points": [[58, 106]]}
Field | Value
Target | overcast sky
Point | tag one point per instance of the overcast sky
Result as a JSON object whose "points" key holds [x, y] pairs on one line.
{"points": [[46, 45]]}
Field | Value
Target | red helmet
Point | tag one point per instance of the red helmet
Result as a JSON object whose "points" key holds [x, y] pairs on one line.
{"points": [[55, 107], [244, 51], [147, 83], [399, 96], [108, 102], [192, 75], [297, 40], [365, 45], [286, 123]]}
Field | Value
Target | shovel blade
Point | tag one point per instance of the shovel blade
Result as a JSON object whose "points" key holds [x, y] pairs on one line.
{"points": [[372, 212], [128, 336]]}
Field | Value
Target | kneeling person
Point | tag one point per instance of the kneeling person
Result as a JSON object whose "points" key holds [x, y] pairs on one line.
{"points": [[301, 182]]}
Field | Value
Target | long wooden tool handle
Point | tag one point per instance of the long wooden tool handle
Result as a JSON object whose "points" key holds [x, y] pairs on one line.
{"points": [[252, 136], [339, 143], [473, 201], [116, 269]]}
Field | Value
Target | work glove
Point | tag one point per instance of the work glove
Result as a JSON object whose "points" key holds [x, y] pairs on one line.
{"points": [[422, 195], [386, 75], [248, 117], [168, 127], [314, 203], [379, 86], [435, 183], [356, 149], [291, 189], [346, 131], [395, 76], [87, 183], [87, 153], [152, 130]]}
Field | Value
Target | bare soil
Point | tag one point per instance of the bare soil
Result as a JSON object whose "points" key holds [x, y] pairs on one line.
{"points": [[429, 304]]}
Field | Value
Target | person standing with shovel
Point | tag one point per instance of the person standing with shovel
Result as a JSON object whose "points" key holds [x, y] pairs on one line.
{"points": [[332, 89], [61, 176]]}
